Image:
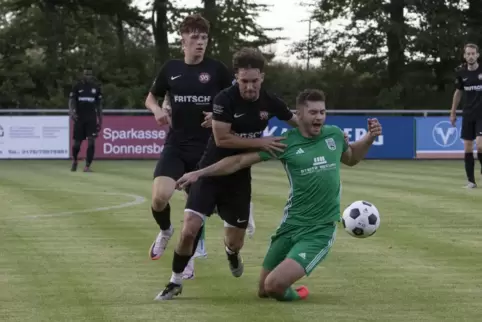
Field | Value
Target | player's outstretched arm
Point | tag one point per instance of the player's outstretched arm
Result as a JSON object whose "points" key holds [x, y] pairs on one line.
{"points": [[221, 168], [224, 138], [359, 149]]}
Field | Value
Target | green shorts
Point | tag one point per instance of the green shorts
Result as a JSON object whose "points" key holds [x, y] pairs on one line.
{"points": [[307, 245]]}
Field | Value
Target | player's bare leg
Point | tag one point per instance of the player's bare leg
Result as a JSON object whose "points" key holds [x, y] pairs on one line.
{"points": [[90, 153], [278, 283], [190, 234], [75, 154], [162, 190], [262, 278], [478, 143], [234, 241], [469, 164]]}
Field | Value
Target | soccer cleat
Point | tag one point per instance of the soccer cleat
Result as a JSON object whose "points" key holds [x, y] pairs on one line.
{"points": [[470, 185], [159, 245], [188, 273], [303, 292], [74, 167], [169, 292], [87, 169], [236, 264]]}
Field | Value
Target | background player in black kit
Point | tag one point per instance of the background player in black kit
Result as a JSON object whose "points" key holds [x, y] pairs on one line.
{"points": [[191, 85], [469, 80], [240, 115], [85, 107]]}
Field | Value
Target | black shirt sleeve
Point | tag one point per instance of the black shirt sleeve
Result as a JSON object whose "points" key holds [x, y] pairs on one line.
{"points": [[281, 110], [161, 84], [225, 76], [222, 109], [458, 81]]}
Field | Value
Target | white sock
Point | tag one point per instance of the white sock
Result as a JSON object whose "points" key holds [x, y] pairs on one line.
{"points": [[176, 278], [229, 251]]}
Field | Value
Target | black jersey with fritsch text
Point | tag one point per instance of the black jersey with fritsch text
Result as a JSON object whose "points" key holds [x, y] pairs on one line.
{"points": [[248, 119], [470, 81], [191, 90], [87, 96]]}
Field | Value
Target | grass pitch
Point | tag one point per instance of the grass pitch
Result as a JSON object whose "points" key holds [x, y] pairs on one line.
{"points": [[83, 256]]}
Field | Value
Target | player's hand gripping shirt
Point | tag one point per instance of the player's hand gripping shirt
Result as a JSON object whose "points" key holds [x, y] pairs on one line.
{"points": [[313, 169]]}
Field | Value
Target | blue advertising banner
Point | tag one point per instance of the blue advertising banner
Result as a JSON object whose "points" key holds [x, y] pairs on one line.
{"points": [[438, 139], [397, 141]]}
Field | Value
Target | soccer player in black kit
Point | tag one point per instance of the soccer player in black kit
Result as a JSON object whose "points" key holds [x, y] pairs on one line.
{"points": [[240, 115], [85, 107], [191, 85], [469, 80]]}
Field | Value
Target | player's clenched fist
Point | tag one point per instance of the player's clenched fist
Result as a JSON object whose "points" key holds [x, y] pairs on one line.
{"points": [[374, 127], [162, 117]]}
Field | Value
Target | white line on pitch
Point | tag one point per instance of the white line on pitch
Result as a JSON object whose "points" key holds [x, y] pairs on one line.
{"points": [[137, 201]]}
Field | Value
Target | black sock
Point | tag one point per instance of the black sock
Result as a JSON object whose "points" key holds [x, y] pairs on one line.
{"points": [[90, 154], [76, 150], [469, 166], [163, 217], [232, 257], [179, 262], [479, 156]]}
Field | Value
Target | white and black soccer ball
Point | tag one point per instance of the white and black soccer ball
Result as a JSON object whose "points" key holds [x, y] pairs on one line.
{"points": [[361, 219]]}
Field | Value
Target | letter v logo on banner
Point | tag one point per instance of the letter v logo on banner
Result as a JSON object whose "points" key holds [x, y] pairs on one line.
{"points": [[444, 134]]}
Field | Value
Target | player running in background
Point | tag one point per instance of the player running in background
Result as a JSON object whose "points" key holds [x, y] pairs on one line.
{"points": [[469, 80], [85, 108], [240, 115], [190, 85], [312, 162]]}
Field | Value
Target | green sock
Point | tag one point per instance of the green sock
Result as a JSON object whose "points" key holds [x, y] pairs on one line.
{"points": [[290, 295]]}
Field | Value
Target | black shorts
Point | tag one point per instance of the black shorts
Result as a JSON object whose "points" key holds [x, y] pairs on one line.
{"points": [[471, 128], [231, 199], [84, 128], [174, 162]]}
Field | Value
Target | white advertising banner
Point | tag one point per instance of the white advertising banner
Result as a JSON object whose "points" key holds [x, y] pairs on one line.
{"points": [[34, 137]]}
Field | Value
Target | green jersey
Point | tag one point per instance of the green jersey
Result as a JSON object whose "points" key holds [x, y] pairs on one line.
{"points": [[313, 169]]}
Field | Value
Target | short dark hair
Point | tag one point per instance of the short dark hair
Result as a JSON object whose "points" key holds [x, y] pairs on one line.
{"points": [[310, 95], [194, 23], [248, 58], [471, 45]]}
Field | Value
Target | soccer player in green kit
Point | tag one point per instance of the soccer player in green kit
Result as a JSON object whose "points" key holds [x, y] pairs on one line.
{"points": [[312, 158]]}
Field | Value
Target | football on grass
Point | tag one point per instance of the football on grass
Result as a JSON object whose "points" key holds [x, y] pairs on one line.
{"points": [[361, 219]]}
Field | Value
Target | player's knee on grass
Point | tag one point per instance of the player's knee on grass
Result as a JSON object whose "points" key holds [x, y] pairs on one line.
{"points": [[162, 191], [234, 238], [190, 230], [282, 277], [262, 278]]}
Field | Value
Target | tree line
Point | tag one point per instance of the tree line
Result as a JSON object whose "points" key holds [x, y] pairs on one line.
{"points": [[375, 54]]}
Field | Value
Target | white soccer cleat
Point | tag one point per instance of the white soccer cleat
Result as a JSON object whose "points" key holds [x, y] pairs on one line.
{"points": [[169, 292], [251, 226], [188, 273], [159, 245], [201, 250], [470, 185]]}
